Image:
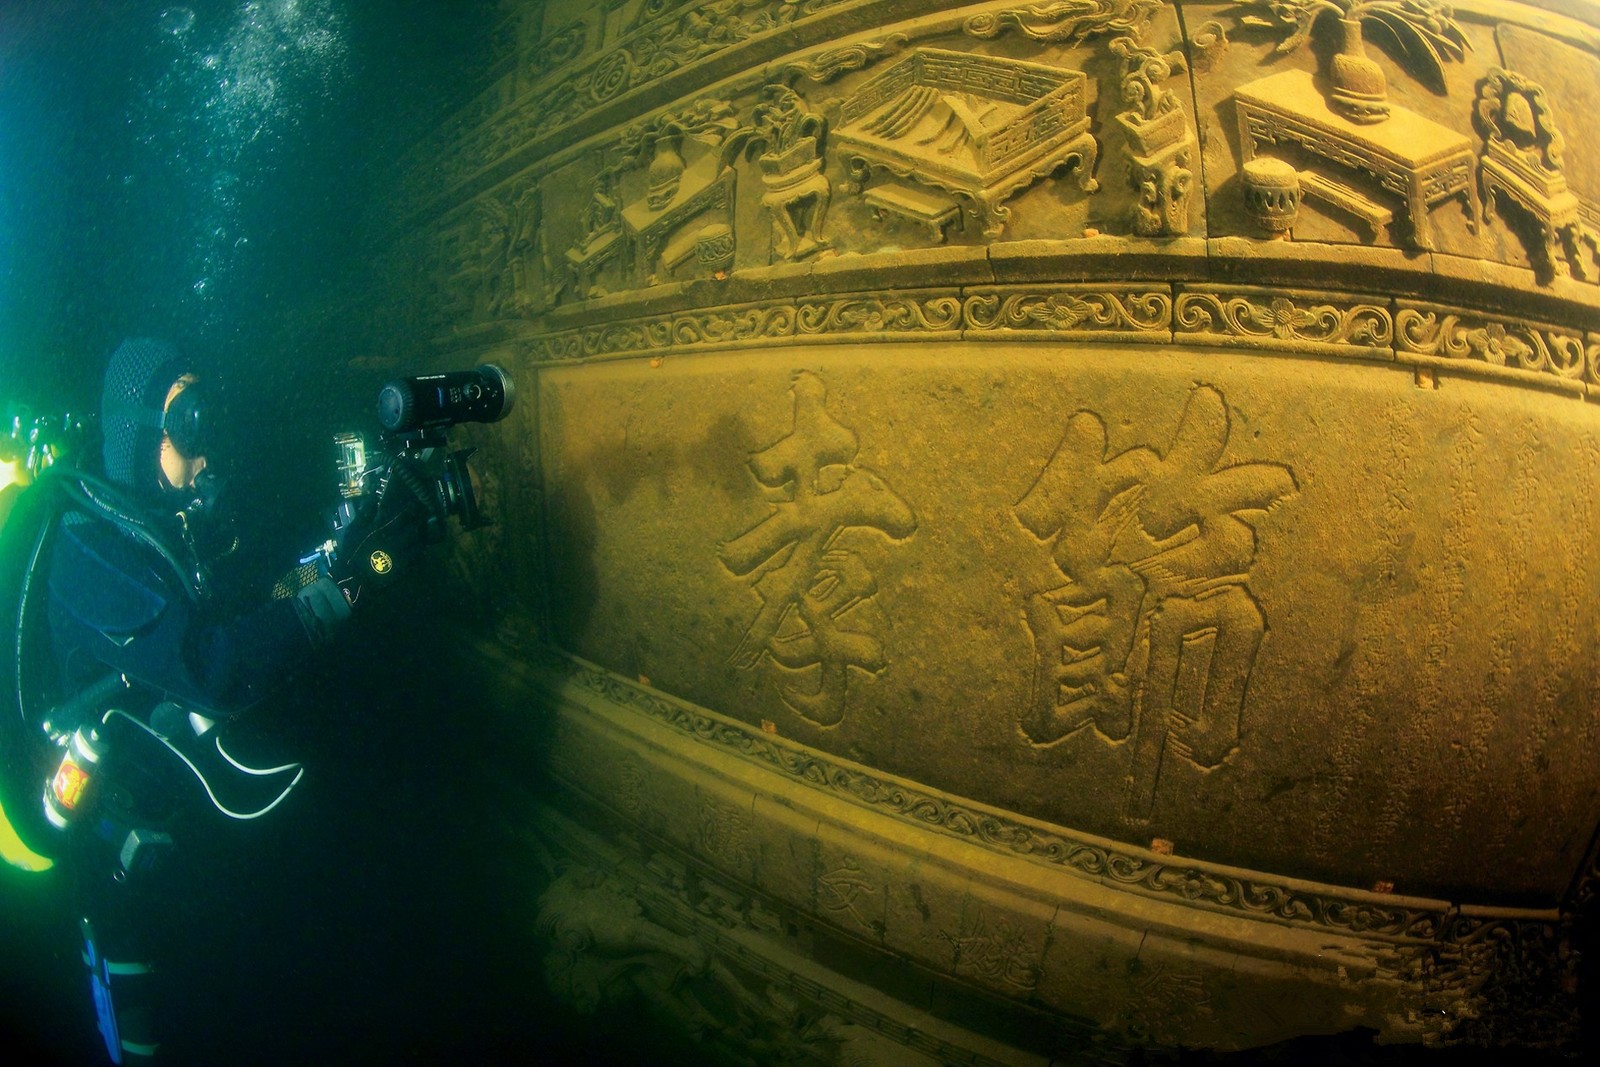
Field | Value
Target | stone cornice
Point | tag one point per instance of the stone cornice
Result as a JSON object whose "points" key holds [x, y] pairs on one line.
{"points": [[1548, 342]]}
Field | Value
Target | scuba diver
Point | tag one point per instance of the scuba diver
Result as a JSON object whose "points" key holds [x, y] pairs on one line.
{"points": [[116, 595], [149, 658]]}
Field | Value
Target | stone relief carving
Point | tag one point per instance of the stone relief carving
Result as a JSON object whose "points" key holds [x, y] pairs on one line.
{"points": [[1479, 976], [880, 313], [1128, 313], [557, 50], [666, 44], [1153, 637], [633, 788], [1207, 45], [603, 948], [786, 139], [601, 242], [1160, 144], [829, 64], [1164, 1003], [703, 963], [991, 948], [1065, 21], [1271, 195], [847, 888], [726, 832], [1432, 331], [453, 268], [1423, 32], [1522, 164], [980, 127], [518, 276], [1357, 167], [1408, 922], [1327, 323], [811, 584], [1361, 149], [648, 12], [1283, 318], [680, 208]]}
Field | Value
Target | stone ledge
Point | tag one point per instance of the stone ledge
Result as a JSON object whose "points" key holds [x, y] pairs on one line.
{"points": [[918, 895], [790, 822]]}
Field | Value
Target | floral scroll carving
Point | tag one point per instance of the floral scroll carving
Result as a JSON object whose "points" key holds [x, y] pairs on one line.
{"points": [[1429, 331], [1283, 318]]}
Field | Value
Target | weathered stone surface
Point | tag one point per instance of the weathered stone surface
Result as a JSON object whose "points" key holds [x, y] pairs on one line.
{"points": [[908, 485], [968, 549]]}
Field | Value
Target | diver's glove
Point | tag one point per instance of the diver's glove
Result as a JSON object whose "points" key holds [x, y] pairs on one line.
{"points": [[323, 609]]}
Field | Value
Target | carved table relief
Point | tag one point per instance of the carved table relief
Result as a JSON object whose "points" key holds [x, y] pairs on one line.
{"points": [[1409, 156], [978, 126], [657, 227], [1422, 32]]}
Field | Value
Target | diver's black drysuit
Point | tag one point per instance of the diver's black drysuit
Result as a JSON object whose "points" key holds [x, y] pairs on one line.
{"points": [[126, 599]]}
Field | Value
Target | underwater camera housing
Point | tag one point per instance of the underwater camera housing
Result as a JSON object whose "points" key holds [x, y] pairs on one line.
{"points": [[402, 490]]}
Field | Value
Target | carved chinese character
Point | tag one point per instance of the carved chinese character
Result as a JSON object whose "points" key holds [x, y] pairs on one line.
{"points": [[811, 585], [1154, 634]]}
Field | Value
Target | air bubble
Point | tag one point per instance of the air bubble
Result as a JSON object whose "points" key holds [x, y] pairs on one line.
{"points": [[176, 20]]}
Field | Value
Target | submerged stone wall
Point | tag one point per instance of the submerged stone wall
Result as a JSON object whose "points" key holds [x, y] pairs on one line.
{"points": [[1041, 530]]}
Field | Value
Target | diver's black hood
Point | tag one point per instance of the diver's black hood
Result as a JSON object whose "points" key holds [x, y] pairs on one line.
{"points": [[137, 379]]}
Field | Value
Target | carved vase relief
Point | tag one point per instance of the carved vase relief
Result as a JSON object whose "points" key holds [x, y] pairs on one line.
{"points": [[786, 138], [1159, 142]]}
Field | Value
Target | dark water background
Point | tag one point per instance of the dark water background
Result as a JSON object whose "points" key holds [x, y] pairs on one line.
{"points": [[203, 173]]}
